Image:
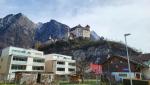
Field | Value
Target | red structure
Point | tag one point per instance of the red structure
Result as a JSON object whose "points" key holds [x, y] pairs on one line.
{"points": [[96, 68]]}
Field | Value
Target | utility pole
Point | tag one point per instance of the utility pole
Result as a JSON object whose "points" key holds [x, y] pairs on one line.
{"points": [[125, 35]]}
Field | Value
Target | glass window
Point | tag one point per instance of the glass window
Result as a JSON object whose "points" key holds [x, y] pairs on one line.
{"points": [[17, 58], [60, 69], [72, 64], [39, 60], [71, 69], [37, 67], [18, 67], [60, 62], [123, 75]]}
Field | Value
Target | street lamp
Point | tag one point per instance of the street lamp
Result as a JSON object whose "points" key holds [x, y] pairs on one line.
{"points": [[125, 35]]}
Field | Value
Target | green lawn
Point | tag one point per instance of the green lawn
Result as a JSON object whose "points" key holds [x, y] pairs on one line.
{"points": [[7, 84], [86, 82]]}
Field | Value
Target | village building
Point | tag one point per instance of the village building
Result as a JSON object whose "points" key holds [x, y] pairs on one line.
{"points": [[145, 59], [117, 66], [14, 59], [80, 32]]}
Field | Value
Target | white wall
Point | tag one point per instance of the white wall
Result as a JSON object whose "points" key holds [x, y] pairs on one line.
{"points": [[8, 54], [63, 58]]}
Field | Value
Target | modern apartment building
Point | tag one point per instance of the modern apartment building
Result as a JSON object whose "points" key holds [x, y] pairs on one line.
{"points": [[14, 59], [60, 64]]}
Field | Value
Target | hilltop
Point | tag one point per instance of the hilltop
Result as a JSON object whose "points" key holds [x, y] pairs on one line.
{"points": [[91, 51]]}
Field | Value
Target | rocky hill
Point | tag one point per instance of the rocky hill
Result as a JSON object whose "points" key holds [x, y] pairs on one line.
{"points": [[91, 51], [16, 30], [52, 29]]}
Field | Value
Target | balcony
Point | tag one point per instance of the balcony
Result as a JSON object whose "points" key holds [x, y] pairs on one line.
{"points": [[19, 62], [38, 64], [70, 66], [60, 65]]}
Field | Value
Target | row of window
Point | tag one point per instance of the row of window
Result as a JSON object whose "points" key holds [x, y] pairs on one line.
{"points": [[15, 58], [39, 60], [63, 63], [23, 67], [72, 64], [25, 52], [59, 56], [38, 67], [18, 67], [19, 58], [63, 69]]}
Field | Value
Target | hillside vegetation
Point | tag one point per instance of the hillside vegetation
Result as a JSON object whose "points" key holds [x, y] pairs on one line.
{"points": [[87, 49]]}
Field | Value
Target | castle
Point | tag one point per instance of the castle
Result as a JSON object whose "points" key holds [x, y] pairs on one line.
{"points": [[80, 32]]}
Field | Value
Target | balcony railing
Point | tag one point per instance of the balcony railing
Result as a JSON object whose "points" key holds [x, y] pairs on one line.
{"points": [[19, 62]]}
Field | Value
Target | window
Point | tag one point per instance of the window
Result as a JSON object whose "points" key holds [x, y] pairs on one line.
{"points": [[19, 51], [16, 58], [18, 67], [38, 54], [39, 60], [123, 75], [37, 67], [71, 69], [72, 64], [60, 69], [60, 62]]}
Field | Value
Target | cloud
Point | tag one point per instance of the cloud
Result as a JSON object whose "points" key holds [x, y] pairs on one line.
{"points": [[112, 21], [109, 18]]}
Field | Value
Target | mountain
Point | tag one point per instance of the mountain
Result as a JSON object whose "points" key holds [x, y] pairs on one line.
{"points": [[52, 29], [16, 30], [94, 36]]}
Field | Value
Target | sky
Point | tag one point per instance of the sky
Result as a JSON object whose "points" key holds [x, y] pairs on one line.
{"points": [[108, 18]]}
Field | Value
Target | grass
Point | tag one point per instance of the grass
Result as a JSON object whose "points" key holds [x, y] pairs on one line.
{"points": [[86, 82], [6, 84]]}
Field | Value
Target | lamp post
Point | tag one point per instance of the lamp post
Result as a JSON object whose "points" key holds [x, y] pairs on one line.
{"points": [[125, 35]]}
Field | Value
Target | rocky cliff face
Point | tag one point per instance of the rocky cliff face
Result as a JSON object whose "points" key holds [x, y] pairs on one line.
{"points": [[90, 51], [16, 30], [52, 29]]}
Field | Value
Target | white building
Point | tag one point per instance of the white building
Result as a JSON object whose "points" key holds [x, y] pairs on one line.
{"points": [[60, 64], [14, 59], [119, 76]]}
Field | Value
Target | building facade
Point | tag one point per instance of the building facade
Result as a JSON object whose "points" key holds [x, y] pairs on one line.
{"points": [[117, 66], [79, 31], [14, 59], [145, 58], [60, 64]]}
